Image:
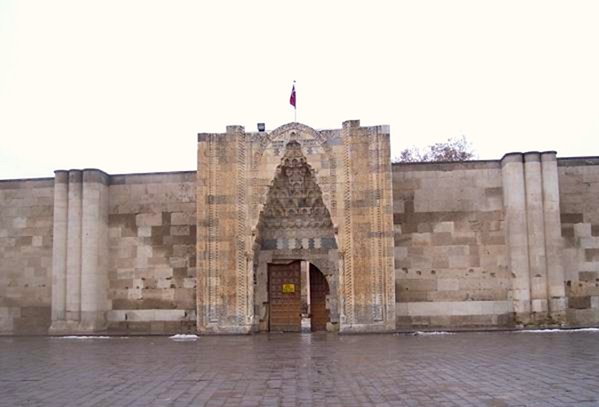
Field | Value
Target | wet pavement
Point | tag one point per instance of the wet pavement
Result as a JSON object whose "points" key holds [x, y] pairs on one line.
{"points": [[467, 369]]}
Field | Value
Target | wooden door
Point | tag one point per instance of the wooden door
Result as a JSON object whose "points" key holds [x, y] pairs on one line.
{"points": [[319, 289], [284, 293]]}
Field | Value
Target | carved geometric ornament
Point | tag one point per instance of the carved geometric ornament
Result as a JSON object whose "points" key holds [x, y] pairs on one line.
{"points": [[294, 199]]}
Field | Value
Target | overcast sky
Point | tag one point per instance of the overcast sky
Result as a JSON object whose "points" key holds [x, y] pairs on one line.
{"points": [[125, 86]]}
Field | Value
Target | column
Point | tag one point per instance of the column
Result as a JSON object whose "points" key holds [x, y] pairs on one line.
{"points": [[94, 249], [555, 271], [59, 248], [73, 283], [514, 201], [536, 235]]}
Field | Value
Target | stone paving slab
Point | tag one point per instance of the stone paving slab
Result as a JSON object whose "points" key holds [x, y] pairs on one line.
{"points": [[467, 369]]}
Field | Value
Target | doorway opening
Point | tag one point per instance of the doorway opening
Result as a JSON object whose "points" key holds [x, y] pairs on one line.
{"points": [[297, 296], [319, 290]]}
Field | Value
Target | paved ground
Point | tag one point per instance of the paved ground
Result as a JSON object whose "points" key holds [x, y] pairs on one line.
{"points": [[469, 369]]}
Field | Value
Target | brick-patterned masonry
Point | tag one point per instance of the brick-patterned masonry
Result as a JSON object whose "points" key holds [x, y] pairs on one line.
{"points": [[579, 199], [25, 255], [450, 253], [152, 235], [406, 246]]}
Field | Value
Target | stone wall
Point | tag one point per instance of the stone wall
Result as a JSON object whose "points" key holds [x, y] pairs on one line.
{"points": [[152, 236], [450, 250], [25, 255], [510, 242], [579, 198], [86, 252]]}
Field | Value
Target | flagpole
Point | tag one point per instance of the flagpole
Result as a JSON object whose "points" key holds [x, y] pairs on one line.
{"points": [[293, 102]]}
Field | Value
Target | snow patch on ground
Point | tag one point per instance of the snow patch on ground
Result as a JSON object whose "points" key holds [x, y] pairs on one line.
{"points": [[184, 337], [544, 331], [86, 337], [432, 333]]}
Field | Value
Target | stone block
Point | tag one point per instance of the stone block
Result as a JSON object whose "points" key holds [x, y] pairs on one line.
{"points": [[588, 276], [144, 231], [591, 255], [189, 282], [459, 261], [135, 293], [447, 284], [440, 262], [579, 302], [417, 284], [165, 283], [539, 305], [447, 296], [582, 317], [148, 219], [581, 230], [180, 230], [441, 227], [441, 239]]}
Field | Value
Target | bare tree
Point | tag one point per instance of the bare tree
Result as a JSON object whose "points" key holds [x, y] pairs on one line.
{"points": [[454, 149]]}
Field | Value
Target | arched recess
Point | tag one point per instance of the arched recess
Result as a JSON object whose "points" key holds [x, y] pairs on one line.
{"points": [[317, 149], [294, 224], [319, 291]]}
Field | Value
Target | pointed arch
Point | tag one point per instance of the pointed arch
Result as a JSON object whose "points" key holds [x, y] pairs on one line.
{"points": [[294, 224]]}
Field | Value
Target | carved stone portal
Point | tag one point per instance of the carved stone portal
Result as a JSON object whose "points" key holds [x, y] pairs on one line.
{"points": [[295, 194]]}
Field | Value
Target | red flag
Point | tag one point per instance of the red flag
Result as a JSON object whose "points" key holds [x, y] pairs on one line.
{"points": [[292, 97]]}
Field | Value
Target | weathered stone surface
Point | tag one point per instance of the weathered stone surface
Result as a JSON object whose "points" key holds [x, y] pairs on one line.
{"points": [[450, 255], [579, 194], [295, 193], [497, 226], [152, 236], [26, 229], [483, 243]]}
